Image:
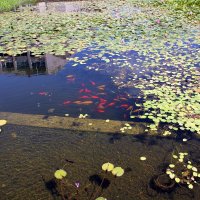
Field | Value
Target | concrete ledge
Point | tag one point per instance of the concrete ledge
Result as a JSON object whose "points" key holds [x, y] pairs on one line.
{"points": [[72, 123]]}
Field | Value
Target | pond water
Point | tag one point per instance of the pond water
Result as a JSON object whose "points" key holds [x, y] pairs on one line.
{"points": [[105, 84], [29, 157], [51, 85]]}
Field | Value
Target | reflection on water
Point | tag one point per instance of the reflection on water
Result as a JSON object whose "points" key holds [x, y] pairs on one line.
{"points": [[31, 65], [72, 6]]}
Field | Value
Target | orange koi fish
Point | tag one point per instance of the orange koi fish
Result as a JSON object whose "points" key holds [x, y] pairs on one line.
{"points": [[77, 102], [130, 108], [101, 87], [137, 110], [86, 102]]}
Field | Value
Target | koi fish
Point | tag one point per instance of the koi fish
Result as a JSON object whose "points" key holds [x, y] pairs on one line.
{"points": [[94, 97], [92, 82], [103, 100], [102, 93], [66, 102], [86, 102], [124, 106], [111, 104], [43, 93], [130, 108], [77, 102], [84, 97], [82, 84], [82, 90], [137, 110], [70, 76], [123, 98], [87, 91], [100, 106], [101, 87], [100, 110]]}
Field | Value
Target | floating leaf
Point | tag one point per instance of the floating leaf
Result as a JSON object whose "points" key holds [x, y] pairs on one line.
{"points": [[107, 167], [60, 174], [118, 171]]}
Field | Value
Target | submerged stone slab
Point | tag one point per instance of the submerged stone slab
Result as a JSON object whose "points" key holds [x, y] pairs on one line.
{"points": [[90, 125]]}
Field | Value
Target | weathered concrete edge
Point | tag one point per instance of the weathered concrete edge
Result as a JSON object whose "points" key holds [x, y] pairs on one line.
{"points": [[72, 123]]}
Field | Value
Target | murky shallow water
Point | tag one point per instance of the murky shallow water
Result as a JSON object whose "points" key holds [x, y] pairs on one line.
{"points": [[29, 157], [43, 88]]}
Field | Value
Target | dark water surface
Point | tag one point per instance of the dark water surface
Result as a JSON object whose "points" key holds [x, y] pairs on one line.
{"points": [[29, 157]]}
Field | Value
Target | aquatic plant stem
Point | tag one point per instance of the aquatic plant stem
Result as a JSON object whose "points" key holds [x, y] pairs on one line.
{"points": [[61, 189], [95, 194]]}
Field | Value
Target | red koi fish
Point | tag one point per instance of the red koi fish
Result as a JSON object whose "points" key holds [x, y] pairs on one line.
{"points": [[103, 100], [100, 106], [92, 82], [43, 93], [111, 104], [123, 98], [84, 97], [100, 110], [87, 91], [124, 106], [66, 102], [94, 97]]}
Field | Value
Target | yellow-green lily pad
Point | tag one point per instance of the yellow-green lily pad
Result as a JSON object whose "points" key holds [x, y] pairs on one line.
{"points": [[3, 122], [107, 167], [60, 174], [118, 171]]}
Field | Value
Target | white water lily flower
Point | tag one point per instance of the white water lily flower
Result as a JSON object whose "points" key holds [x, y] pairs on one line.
{"points": [[184, 140]]}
